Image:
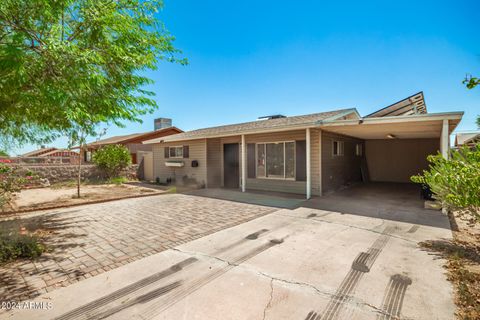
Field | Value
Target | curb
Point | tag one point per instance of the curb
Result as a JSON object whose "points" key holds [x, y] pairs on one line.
{"points": [[14, 214]]}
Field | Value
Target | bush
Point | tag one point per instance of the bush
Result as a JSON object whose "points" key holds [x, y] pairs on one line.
{"points": [[12, 180], [112, 159], [14, 246], [455, 182]]}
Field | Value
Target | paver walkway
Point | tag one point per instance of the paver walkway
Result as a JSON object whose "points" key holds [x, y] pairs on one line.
{"points": [[89, 240]]}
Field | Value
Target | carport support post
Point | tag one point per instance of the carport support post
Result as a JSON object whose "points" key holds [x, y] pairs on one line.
{"points": [[244, 163], [309, 175], [444, 140]]}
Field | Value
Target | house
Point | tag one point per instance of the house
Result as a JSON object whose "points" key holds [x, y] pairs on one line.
{"points": [[470, 139], [50, 152], [162, 128], [308, 154]]}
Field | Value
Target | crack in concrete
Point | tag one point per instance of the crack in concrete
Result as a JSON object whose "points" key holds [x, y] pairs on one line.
{"points": [[318, 220], [269, 301], [352, 300]]}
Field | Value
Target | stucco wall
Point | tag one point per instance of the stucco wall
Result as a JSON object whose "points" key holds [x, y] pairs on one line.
{"points": [[397, 160]]}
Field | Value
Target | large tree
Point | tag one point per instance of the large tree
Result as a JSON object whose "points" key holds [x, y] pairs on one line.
{"points": [[67, 65]]}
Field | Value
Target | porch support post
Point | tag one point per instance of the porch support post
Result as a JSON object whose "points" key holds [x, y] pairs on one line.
{"points": [[444, 139], [244, 164], [309, 171]]}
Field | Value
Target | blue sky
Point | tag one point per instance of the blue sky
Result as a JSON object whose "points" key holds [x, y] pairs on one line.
{"points": [[254, 58]]}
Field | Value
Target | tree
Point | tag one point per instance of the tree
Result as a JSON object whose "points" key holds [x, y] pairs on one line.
{"points": [[471, 82], [3, 153], [71, 64], [112, 159]]}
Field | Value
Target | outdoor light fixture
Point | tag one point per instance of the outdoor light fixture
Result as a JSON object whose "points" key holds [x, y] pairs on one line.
{"points": [[391, 136]]}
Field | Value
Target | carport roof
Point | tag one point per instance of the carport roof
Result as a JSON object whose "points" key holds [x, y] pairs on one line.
{"points": [[396, 127]]}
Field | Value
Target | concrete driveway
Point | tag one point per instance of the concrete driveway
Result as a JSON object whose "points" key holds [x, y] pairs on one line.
{"points": [[290, 264]]}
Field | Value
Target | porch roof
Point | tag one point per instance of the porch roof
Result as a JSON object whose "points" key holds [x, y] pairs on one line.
{"points": [[394, 127]]}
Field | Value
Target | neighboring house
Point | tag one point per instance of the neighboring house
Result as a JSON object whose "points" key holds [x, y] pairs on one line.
{"points": [[470, 139], [51, 152], [163, 127], [308, 154]]}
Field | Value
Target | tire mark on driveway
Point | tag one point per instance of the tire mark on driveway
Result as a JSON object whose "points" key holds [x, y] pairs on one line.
{"points": [[361, 265]]}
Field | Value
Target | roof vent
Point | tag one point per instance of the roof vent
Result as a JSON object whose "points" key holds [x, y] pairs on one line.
{"points": [[273, 116]]}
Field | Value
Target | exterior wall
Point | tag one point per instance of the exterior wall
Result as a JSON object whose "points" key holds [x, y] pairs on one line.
{"points": [[197, 151], [315, 161], [135, 147], [214, 163], [279, 185], [397, 160], [338, 171]]}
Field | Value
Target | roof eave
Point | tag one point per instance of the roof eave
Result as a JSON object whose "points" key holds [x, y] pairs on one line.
{"points": [[232, 134], [456, 115]]}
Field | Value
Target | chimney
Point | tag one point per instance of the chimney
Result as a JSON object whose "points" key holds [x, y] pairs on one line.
{"points": [[162, 123]]}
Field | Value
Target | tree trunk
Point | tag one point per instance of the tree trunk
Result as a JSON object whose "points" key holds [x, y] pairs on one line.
{"points": [[79, 176]]}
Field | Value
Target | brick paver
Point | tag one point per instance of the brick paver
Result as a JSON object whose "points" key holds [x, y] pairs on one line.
{"points": [[85, 241]]}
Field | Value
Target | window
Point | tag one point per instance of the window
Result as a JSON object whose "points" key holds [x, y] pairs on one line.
{"points": [[176, 152], [359, 150], [276, 160], [338, 147]]}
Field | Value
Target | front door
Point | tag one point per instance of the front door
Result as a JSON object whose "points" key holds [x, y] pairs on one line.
{"points": [[231, 170]]}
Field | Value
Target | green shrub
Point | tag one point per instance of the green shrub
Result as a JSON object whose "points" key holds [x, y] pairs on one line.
{"points": [[12, 180], [455, 182], [14, 246], [117, 180], [112, 159]]}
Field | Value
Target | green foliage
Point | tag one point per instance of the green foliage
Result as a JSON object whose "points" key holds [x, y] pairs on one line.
{"points": [[14, 246], [471, 82], [71, 64], [456, 181], [12, 180], [112, 159], [117, 180], [3, 153]]}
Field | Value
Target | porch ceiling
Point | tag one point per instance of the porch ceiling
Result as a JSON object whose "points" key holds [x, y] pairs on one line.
{"points": [[400, 130]]}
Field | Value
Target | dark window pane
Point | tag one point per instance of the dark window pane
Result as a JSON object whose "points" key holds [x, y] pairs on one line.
{"points": [[261, 160], [289, 159], [275, 160]]}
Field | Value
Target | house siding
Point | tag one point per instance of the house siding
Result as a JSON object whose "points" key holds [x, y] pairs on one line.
{"points": [[338, 171], [214, 163], [197, 151], [281, 185], [397, 160]]}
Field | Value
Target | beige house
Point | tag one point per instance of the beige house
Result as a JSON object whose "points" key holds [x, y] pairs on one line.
{"points": [[470, 139], [309, 154]]}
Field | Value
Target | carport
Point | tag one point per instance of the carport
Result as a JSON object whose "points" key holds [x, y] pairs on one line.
{"points": [[396, 147]]}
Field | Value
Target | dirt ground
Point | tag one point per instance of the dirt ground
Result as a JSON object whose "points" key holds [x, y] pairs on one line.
{"points": [[42, 198], [463, 264]]}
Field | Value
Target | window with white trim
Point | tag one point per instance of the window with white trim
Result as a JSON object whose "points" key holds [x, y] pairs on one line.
{"points": [[338, 148], [276, 160], [358, 149], [176, 152]]}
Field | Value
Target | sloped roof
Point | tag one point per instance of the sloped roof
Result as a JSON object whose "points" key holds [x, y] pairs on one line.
{"points": [[466, 137], [415, 104], [255, 126], [114, 140], [57, 150], [135, 136], [38, 152]]}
